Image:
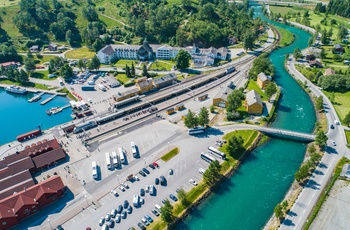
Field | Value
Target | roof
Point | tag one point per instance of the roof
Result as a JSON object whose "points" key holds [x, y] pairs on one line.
{"points": [[338, 46], [143, 84], [167, 78], [329, 71], [223, 51], [6, 212], [262, 76], [111, 80], [15, 183], [223, 94], [49, 157], [108, 50], [315, 62], [10, 63], [253, 97], [53, 44], [16, 167], [126, 93]]}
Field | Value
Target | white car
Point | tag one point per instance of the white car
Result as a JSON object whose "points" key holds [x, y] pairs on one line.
{"points": [[333, 143], [121, 188], [136, 178], [147, 188], [115, 193], [102, 221], [193, 182], [201, 170]]}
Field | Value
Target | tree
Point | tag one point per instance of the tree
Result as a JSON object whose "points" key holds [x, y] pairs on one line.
{"points": [[235, 145], [323, 54], [203, 117], [29, 65], [321, 139], [144, 71], [212, 109], [22, 76], [66, 72], [132, 70], [319, 103], [302, 173], [167, 212], [270, 90], [297, 54], [182, 195], [70, 37], [97, 45], [248, 40], [94, 63], [212, 174], [234, 100], [182, 59], [191, 120], [278, 211], [346, 119], [285, 205], [315, 157], [81, 64], [127, 71], [312, 149], [311, 41]]}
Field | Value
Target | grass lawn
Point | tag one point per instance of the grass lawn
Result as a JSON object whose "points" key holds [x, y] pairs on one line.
{"points": [[65, 90], [161, 66], [170, 154], [122, 77], [254, 86], [41, 59], [283, 10], [109, 22], [80, 53], [6, 14], [287, 37], [43, 74], [29, 84], [341, 103], [121, 63], [347, 134]]}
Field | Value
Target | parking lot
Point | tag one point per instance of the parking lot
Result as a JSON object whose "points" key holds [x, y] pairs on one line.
{"points": [[153, 140]]}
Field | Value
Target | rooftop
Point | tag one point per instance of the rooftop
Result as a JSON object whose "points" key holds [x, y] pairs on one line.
{"points": [[253, 97]]}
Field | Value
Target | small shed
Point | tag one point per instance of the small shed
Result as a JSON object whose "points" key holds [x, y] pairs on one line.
{"points": [[170, 111], [202, 97], [180, 107]]}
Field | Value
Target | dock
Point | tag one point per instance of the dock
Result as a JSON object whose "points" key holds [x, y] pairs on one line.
{"points": [[36, 97], [48, 99]]}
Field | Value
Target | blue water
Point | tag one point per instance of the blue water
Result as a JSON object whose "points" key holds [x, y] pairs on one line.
{"points": [[247, 200], [18, 116]]}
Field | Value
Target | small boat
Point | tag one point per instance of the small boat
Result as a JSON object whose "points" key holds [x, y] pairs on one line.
{"points": [[53, 110], [16, 89]]}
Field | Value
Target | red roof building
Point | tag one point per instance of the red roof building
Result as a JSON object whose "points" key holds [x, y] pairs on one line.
{"points": [[7, 218]]}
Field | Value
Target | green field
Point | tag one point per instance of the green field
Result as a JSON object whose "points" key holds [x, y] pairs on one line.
{"points": [[341, 103], [43, 59], [347, 134], [287, 37], [42, 74], [161, 65], [110, 23], [80, 53], [283, 10], [254, 86], [122, 77], [6, 14], [121, 63]]}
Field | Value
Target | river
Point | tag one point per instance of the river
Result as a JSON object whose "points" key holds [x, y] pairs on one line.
{"points": [[18, 116], [247, 200]]}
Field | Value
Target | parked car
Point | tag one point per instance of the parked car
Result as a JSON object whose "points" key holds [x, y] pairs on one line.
{"points": [[129, 209], [114, 192], [142, 192], [142, 173], [162, 180], [126, 203], [156, 181], [155, 164], [177, 190], [147, 188], [173, 197], [102, 221], [149, 219], [151, 166], [145, 170], [125, 185], [124, 214], [201, 170], [155, 212], [141, 226], [332, 126], [121, 188], [120, 209], [136, 178], [113, 212], [118, 218], [110, 223], [171, 172], [193, 182], [333, 143], [108, 217], [163, 201], [142, 201], [144, 221]]}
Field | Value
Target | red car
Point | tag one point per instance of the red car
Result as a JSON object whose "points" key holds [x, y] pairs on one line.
{"points": [[155, 164]]}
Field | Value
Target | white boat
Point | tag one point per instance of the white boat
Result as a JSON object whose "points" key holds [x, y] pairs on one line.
{"points": [[53, 110], [16, 89]]}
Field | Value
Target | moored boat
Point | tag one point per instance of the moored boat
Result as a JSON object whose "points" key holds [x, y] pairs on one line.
{"points": [[16, 89]]}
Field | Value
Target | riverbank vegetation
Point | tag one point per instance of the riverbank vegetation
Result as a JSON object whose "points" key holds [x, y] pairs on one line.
{"points": [[247, 139], [287, 37], [325, 193], [261, 64]]}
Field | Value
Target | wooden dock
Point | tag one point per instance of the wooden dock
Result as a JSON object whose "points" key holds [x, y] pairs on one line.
{"points": [[48, 99], [36, 97]]}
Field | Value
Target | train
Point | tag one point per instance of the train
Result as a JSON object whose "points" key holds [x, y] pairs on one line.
{"points": [[110, 117]]}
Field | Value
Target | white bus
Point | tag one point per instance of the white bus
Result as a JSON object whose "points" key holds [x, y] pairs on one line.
{"points": [[207, 158], [108, 161], [196, 130], [102, 87], [217, 153], [121, 155], [115, 159], [94, 170], [133, 149]]}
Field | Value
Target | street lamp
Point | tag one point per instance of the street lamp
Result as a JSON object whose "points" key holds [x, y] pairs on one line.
{"points": [[48, 220]]}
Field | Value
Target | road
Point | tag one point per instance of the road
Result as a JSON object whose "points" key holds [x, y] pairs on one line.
{"points": [[299, 213]]}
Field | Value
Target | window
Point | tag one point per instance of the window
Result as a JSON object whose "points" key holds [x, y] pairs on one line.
{"points": [[4, 223]]}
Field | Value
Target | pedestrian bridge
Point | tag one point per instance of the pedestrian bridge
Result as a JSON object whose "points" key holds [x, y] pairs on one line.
{"points": [[298, 136]]}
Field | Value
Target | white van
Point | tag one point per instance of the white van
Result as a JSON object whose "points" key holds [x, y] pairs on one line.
{"points": [[157, 207], [102, 87], [336, 122], [94, 170]]}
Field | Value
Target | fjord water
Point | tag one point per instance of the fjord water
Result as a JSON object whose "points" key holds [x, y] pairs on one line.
{"points": [[18, 116], [247, 200]]}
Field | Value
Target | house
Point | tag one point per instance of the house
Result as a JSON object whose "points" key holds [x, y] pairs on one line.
{"points": [[10, 64], [52, 47], [262, 80], [338, 48], [166, 80], [312, 50], [220, 99], [144, 86], [253, 103], [126, 94], [166, 52], [34, 49], [329, 71], [310, 57], [315, 63], [111, 81]]}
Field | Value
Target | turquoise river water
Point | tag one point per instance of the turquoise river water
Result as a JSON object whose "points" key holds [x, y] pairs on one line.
{"points": [[18, 116], [247, 200]]}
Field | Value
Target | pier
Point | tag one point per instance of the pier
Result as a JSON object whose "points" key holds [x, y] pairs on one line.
{"points": [[48, 99], [36, 97]]}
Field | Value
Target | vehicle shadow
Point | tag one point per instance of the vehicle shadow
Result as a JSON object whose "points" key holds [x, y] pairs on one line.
{"points": [[288, 222], [312, 184]]}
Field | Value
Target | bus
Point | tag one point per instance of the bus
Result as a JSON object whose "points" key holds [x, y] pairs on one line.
{"points": [[217, 153], [207, 158], [94, 170], [133, 149], [197, 130], [115, 159], [108, 161], [121, 155]]}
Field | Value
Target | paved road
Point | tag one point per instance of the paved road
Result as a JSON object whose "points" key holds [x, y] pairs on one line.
{"points": [[297, 216]]}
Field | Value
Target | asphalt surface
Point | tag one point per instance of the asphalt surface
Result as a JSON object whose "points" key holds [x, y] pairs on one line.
{"points": [[299, 213]]}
